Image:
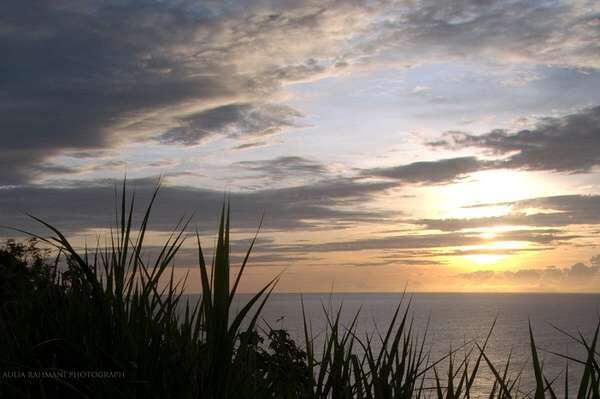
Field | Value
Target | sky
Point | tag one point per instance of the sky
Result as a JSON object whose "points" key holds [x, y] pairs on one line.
{"points": [[433, 145]]}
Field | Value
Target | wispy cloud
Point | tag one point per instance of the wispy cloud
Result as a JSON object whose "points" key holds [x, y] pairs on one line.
{"points": [[555, 32], [442, 171], [555, 211], [241, 121], [284, 167]]}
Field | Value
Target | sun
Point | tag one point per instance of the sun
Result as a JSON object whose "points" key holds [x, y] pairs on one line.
{"points": [[491, 191]]}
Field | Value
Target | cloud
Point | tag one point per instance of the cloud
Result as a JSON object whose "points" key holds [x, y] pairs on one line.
{"points": [[75, 71], [87, 205], [478, 275], [87, 76], [505, 251], [420, 89], [283, 167], [536, 32], [576, 277], [568, 144], [427, 241], [334, 203], [432, 172], [188, 256], [252, 144], [554, 211], [243, 121]]}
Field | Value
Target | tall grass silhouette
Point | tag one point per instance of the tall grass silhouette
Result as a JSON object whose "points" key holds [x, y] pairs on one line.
{"points": [[108, 312]]}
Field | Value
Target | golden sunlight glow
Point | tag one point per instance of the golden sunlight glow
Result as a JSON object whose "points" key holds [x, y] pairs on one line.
{"points": [[488, 234], [489, 187], [485, 259], [502, 245], [492, 252]]}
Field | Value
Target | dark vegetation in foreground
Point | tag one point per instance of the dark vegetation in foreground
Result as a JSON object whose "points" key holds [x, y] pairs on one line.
{"points": [[118, 321]]}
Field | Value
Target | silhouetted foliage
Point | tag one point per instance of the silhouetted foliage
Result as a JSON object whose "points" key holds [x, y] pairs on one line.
{"points": [[24, 267], [280, 369]]}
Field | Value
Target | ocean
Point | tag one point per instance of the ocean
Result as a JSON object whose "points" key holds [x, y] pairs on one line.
{"points": [[455, 319]]}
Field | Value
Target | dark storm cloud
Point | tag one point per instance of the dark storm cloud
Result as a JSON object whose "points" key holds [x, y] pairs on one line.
{"points": [[432, 172], [568, 144], [248, 121], [85, 205]]}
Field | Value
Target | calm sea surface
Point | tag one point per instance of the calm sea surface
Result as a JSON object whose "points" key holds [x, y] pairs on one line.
{"points": [[458, 318]]}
